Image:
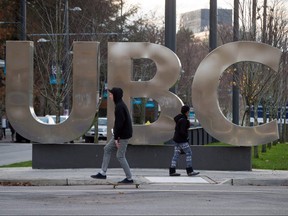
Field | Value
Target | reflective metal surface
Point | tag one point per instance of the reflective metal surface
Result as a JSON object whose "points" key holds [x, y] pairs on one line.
{"points": [[205, 99], [120, 57], [19, 93]]}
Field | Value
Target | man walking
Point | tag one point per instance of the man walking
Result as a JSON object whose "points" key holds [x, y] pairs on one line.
{"points": [[122, 131], [181, 143]]}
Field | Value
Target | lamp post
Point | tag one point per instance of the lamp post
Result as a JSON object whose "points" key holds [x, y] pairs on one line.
{"points": [[170, 28], [235, 88], [67, 52], [213, 25], [23, 20], [170, 24]]}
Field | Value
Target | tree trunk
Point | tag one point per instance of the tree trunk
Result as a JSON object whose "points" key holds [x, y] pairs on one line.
{"points": [[254, 8], [264, 22], [256, 154], [264, 148], [269, 145]]}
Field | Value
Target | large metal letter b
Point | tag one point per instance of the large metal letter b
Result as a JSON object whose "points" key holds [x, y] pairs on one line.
{"points": [[120, 57]]}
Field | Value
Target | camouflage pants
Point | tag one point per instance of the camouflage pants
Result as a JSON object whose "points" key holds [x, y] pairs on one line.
{"points": [[177, 151]]}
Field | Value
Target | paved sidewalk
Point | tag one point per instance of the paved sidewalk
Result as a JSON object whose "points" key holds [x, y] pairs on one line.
{"points": [[29, 176], [46, 177]]}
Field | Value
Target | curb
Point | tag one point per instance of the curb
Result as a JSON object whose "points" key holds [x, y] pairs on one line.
{"points": [[74, 182], [33, 182], [255, 182], [60, 182]]}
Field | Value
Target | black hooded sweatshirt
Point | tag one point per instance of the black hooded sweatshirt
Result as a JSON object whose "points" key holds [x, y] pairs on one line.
{"points": [[181, 128], [122, 124]]}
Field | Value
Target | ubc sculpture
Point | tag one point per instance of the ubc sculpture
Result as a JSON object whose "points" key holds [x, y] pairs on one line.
{"points": [[19, 91]]}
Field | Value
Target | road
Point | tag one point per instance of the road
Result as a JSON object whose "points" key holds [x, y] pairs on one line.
{"points": [[152, 199], [14, 152], [17, 152], [11, 152]]}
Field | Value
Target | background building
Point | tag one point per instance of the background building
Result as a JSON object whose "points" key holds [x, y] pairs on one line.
{"points": [[198, 21]]}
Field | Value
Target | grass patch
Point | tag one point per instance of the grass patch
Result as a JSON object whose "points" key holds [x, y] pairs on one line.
{"points": [[20, 164], [218, 144], [275, 158]]}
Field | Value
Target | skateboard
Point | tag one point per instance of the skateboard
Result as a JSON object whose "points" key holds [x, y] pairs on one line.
{"points": [[116, 184]]}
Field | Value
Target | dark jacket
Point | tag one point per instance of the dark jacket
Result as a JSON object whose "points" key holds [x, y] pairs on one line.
{"points": [[122, 124], [181, 128]]}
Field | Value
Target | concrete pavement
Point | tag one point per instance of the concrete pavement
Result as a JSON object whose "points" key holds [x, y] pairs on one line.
{"points": [[41, 177], [53, 177], [15, 153]]}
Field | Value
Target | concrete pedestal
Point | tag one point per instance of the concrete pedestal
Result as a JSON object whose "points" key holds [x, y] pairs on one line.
{"points": [[61, 156]]}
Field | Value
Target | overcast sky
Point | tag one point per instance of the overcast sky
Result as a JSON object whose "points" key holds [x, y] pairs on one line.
{"points": [[182, 6]]}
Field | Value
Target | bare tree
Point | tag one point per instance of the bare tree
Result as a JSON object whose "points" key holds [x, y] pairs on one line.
{"points": [[53, 33], [190, 51], [89, 20]]}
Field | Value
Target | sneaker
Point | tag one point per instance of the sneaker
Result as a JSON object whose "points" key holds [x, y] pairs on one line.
{"points": [[98, 176], [193, 173], [126, 181]]}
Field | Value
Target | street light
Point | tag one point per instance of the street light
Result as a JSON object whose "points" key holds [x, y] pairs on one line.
{"points": [[42, 40], [3, 22], [75, 9]]}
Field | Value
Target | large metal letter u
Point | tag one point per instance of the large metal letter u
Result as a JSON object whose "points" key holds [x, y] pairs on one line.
{"points": [[19, 93]]}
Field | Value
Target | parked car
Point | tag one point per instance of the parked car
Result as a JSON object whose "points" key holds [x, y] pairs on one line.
{"points": [[102, 131], [48, 119], [62, 118]]}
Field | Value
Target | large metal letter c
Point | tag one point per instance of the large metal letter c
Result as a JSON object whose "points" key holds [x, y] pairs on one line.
{"points": [[205, 99]]}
